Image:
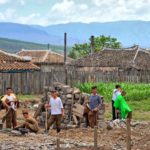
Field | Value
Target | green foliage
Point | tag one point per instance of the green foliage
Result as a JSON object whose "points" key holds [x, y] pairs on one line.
{"points": [[80, 50], [135, 92]]}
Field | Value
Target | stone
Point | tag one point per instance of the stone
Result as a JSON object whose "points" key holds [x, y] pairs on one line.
{"points": [[77, 96], [69, 96]]}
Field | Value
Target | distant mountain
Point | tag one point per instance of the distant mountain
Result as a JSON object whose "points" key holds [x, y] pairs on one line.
{"points": [[14, 46], [127, 32]]}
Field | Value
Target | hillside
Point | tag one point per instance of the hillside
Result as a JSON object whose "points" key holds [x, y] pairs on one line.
{"points": [[127, 32], [14, 46]]}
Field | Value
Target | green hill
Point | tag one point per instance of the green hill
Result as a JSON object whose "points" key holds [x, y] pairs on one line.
{"points": [[14, 46]]}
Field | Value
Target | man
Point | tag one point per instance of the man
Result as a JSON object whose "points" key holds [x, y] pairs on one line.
{"points": [[57, 111], [116, 92], [94, 105], [121, 104], [9, 101], [30, 123]]}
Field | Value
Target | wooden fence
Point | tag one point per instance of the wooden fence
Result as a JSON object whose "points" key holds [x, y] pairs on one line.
{"points": [[33, 82]]}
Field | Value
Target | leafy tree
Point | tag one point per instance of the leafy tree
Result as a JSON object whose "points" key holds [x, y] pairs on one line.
{"points": [[80, 50]]}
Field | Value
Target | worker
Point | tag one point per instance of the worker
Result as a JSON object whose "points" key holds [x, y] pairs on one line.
{"points": [[93, 106], [57, 111], [116, 92], [10, 102], [30, 123], [121, 104]]}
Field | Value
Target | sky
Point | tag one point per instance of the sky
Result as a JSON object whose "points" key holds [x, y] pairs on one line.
{"points": [[47, 12]]}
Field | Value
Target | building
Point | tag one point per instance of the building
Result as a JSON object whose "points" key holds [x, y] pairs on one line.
{"points": [[47, 60], [15, 72], [11, 63], [126, 64]]}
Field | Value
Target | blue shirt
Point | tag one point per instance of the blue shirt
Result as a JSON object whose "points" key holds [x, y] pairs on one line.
{"points": [[95, 100]]}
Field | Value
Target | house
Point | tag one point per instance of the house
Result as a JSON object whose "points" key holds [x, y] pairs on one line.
{"points": [[115, 59], [11, 63], [16, 72], [47, 60], [125, 65]]}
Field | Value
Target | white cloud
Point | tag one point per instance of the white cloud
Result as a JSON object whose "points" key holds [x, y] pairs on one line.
{"points": [[82, 11], [22, 2], [3, 1], [32, 18], [7, 15]]}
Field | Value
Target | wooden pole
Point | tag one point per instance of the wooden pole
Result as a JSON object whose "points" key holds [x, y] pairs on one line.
{"points": [[58, 142], [65, 57], [128, 135], [92, 44], [46, 119], [95, 138]]}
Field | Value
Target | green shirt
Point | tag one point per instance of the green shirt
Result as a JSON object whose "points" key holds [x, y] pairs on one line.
{"points": [[121, 104]]}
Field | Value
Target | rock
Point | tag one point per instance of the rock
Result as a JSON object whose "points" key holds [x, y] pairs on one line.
{"points": [[69, 96], [76, 91]]}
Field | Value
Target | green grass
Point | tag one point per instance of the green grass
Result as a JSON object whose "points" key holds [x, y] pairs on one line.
{"points": [[27, 97], [138, 97]]}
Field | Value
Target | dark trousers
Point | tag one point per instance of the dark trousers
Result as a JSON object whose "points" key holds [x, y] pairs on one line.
{"points": [[113, 111]]}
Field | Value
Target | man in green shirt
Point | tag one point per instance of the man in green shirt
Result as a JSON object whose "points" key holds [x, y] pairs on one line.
{"points": [[121, 104]]}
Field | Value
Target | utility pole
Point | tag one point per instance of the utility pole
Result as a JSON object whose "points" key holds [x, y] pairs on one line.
{"points": [[65, 57], [48, 46], [92, 44]]}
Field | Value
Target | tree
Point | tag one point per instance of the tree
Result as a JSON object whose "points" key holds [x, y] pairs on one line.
{"points": [[80, 50]]}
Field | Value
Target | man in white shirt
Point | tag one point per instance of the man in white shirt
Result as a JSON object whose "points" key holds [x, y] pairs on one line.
{"points": [[116, 92], [57, 111], [9, 101]]}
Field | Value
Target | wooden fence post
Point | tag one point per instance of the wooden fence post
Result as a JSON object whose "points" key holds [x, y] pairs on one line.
{"points": [[95, 138], [58, 142], [128, 135]]}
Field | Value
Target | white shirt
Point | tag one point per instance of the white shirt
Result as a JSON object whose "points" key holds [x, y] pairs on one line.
{"points": [[115, 94], [12, 101], [56, 106]]}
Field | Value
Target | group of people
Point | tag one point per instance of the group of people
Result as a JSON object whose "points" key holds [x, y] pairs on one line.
{"points": [[120, 110], [9, 102]]}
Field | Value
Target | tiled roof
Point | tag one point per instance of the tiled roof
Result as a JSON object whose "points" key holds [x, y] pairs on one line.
{"points": [[4, 56], [43, 56], [121, 58], [12, 62]]}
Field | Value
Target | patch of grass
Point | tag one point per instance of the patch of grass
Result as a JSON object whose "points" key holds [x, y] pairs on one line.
{"points": [[27, 97]]}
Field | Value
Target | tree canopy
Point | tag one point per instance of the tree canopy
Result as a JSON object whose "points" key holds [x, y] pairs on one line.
{"points": [[80, 50]]}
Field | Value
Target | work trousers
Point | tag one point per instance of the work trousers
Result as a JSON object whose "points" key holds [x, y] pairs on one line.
{"points": [[11, 118], [91, 117], [54, 119]]}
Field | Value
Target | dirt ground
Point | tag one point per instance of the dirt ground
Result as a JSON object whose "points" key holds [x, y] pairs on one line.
{"points": [[114, 139]]}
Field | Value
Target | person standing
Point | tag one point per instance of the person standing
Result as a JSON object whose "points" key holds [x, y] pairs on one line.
{"points": [[94, 105], [116, 92], [121, 104], [57, 111], [10, 102]]}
